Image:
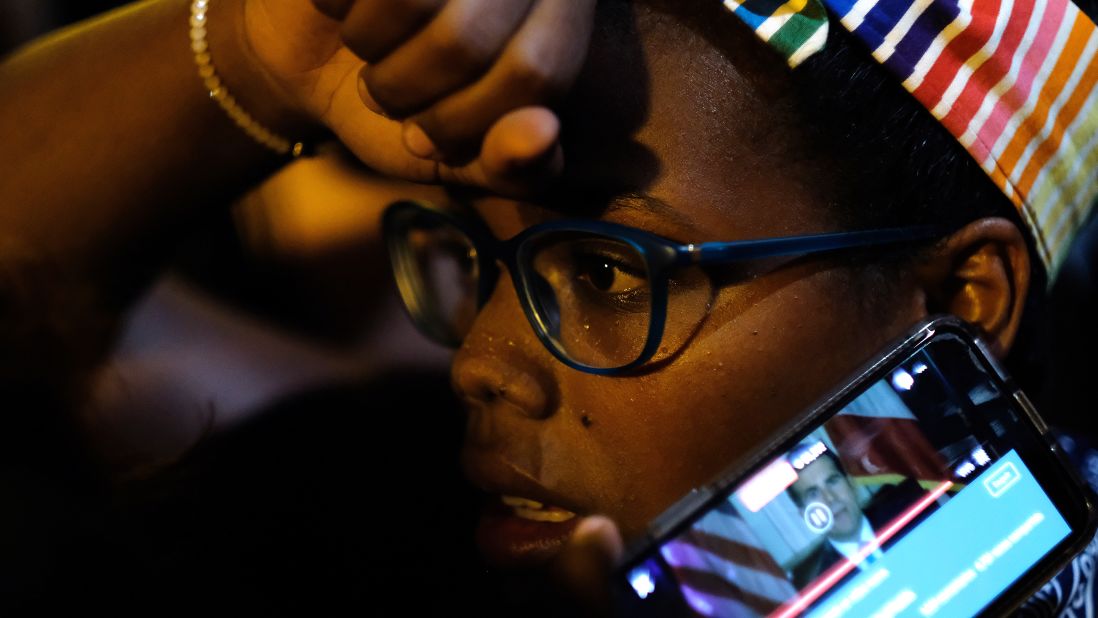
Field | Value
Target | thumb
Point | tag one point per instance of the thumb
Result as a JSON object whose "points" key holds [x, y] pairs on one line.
{"points": [[375, 140], [583, 567], [520, 154]]}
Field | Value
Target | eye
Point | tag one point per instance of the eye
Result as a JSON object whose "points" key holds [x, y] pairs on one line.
{"points": [[608, 270]]}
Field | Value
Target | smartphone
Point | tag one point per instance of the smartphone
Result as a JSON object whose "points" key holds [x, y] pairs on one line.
{"points": [[926, 486]]}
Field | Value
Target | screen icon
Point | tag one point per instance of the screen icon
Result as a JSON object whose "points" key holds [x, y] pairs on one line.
{"points": [[642, 582], [1001, 479], [817, 516]]}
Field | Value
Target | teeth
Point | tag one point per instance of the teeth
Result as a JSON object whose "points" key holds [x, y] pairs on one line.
{"points": [[536, 511], [516, 502], [555, 515]]}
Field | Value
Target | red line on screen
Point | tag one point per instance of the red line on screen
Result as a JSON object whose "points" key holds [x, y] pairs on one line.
{"points": [[832, 576]]}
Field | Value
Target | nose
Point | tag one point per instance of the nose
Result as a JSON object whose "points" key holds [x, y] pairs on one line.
{"points": [[501, 365], [494, 382]]}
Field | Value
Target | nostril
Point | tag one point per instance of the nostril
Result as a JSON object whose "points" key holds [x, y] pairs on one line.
{"points": [[492, 381], [486, 394]]}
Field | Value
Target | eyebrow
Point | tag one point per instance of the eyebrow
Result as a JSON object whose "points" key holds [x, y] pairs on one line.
{"points": [[625, 201], [650, 205]]}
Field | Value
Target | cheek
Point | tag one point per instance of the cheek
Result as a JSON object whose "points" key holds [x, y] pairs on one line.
{"points": [[664, 433], [848, 495]]}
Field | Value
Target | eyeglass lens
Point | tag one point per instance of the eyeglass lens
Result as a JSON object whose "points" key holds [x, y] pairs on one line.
{"points": [[444, 263], [591, 294]]}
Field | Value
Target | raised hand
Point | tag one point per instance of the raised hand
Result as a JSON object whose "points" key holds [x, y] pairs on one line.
{"points": [[453, 90]]}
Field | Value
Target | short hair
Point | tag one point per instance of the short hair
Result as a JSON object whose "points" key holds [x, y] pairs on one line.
{"points": [[878, 159]]}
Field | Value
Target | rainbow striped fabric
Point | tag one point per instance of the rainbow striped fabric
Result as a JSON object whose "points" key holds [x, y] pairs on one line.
{"points": [[1015, 81]]}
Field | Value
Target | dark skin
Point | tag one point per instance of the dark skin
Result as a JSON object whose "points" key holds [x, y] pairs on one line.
{"points": [[623, 447], [81, 106], [628, 447], [114, 151]]}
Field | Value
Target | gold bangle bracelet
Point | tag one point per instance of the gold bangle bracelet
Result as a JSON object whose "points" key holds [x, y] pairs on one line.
{"points": [[220, 94]]}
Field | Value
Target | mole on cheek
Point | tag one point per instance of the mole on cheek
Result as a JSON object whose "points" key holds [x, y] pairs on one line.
{"points": [[586, 420]]}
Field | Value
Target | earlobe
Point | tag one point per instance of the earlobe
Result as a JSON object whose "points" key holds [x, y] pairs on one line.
{"points": [[981, 274]]}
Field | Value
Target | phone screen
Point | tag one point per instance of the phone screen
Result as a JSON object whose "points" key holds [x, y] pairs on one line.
{"points": [[920, 496]]}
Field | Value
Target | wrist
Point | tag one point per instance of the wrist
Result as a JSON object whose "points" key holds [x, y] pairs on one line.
{"points": [[244, 77]]}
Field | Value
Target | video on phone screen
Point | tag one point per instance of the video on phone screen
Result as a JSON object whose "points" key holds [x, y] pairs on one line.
{"points": [[912, 501]]}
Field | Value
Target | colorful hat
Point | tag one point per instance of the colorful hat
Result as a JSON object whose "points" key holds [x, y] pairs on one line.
{"points": [[1015, 81]]}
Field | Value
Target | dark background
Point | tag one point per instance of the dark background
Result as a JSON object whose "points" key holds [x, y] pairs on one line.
{"points": [[337, 500], [21, 20]]}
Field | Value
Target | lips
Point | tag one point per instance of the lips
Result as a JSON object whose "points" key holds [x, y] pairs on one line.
{"points": [[507, 539], [522, 524]]}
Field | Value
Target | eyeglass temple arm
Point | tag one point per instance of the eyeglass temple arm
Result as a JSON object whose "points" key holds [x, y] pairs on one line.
{"points": [[716, 252]]}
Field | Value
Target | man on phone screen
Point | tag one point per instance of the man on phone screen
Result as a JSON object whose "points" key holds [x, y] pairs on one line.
{"points": [[830, 507]]}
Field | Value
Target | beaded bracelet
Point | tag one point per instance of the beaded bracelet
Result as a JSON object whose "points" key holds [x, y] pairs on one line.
{"points": [[220, 94]]}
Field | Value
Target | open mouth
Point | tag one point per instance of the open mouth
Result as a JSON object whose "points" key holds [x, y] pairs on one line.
{"points": [[522, 532], [520, 523]]}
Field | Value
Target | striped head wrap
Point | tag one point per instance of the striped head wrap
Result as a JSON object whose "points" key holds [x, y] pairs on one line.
{"points": [[1015, 81]]}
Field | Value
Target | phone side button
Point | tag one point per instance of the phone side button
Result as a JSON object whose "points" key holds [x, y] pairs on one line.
{"points": [[1024, 401]]}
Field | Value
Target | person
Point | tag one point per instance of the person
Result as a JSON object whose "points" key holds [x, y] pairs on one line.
{"points": [[721, 378], [559, 422], [679, 124], [85, 228], [851, 526]]}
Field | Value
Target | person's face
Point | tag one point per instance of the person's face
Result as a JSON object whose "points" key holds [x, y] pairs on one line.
{"points": [[670, 121], [820, 481]]}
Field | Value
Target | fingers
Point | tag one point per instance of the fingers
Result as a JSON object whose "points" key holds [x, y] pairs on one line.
{"points": [[539, 64], [374, 139], [584, 566], [374, 28], [470, 78], [454, 49], [336, 9], [521, 153]]}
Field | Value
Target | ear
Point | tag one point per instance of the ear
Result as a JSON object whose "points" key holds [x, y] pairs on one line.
{"points": [[980, 274]]}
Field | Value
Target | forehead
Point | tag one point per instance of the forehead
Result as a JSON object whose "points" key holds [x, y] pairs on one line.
{"points": [[680, 107]]}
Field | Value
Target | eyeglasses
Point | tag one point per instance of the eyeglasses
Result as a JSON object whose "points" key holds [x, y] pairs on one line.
{"points": [[603, 298]]}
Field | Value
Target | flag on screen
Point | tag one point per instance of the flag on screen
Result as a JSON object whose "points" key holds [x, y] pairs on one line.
{"points": [[879, 440], [723, 569]]}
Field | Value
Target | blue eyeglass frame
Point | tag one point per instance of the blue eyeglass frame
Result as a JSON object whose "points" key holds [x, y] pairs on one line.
{"points": [[661, 256]]}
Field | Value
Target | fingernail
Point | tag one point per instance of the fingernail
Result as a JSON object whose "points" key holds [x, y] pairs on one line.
{"points": [[417, 142]]}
